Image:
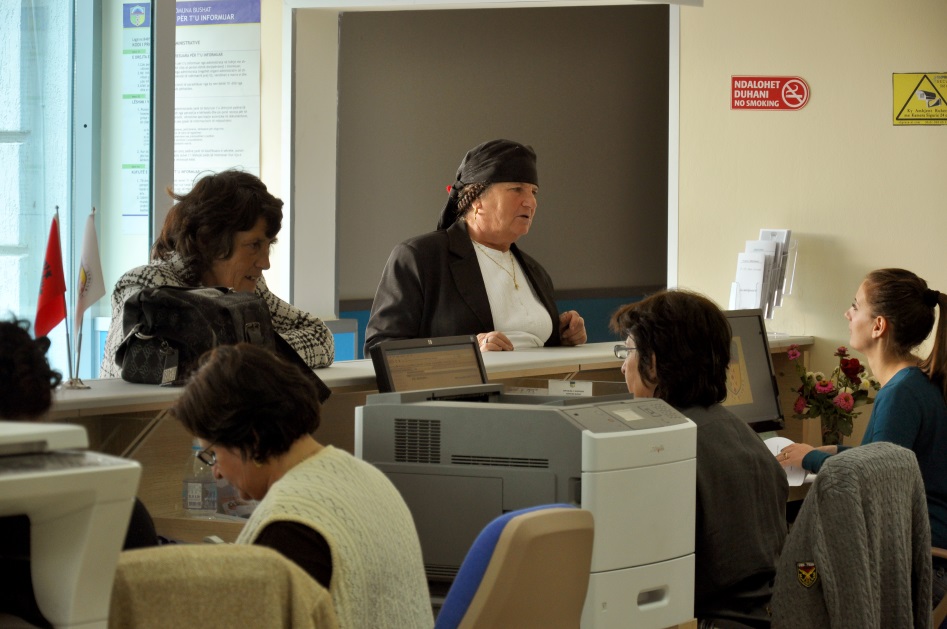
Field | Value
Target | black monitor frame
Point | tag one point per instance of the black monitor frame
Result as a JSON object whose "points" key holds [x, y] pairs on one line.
{"points": [[766, 415], [386, 376]]}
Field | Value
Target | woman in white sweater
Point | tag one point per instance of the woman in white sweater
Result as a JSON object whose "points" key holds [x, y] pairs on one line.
{"points": [[336, 516]]}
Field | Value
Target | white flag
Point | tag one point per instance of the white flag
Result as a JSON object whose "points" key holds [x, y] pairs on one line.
{"points": [[91, 283]]}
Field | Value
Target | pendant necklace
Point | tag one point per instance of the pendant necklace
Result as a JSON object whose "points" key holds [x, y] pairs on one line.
{"points": [[505, 270]]}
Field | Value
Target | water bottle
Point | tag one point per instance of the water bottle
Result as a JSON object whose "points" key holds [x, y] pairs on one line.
{"points": [[230, 503], [199, 493]]}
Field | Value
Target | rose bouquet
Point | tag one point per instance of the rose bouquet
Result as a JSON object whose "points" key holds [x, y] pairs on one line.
{"points": [[833, 398]]}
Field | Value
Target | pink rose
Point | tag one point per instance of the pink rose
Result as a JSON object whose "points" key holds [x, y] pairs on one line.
{"points": [[844, 401], [842, 351], [800, 405], [824, 386], [793, 352]]}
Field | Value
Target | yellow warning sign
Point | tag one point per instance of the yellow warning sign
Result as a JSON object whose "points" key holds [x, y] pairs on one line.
{"points": [[919, 98]]}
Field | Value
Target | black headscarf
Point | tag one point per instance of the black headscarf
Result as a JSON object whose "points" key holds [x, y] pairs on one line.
{"points": [[491, 162]]}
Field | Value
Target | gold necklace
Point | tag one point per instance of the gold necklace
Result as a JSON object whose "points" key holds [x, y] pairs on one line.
{"points": [[516, 285]]}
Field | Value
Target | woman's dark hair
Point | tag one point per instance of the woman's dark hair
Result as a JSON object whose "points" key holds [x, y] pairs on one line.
{"points": [[905, 300], [26, 379], [467, 195], [201, 225], [247, 398], [689, 338]]}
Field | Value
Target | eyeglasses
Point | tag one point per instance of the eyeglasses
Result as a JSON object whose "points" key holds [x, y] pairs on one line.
{"points": [[621, 351], [208, 456]]}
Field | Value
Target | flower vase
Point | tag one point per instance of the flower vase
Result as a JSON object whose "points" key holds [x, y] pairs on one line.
{"points": [[831, 436]]}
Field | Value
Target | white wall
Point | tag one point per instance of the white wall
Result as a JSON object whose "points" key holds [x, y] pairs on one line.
{"points": [[858, 192]]}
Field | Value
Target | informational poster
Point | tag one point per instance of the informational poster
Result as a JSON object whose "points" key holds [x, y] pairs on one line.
{"points": [[919, 98], [217, 89], [136, 116]]}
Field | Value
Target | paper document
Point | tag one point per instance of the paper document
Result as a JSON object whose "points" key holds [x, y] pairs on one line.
{"points": [[748, 285], [781, 238], [795, 475], [768, 249]]}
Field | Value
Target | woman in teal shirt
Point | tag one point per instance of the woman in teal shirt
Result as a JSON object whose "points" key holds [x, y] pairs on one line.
{"points": [[892, 314]]}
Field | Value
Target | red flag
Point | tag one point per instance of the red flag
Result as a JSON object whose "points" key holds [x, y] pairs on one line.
{"points": [[51, 305]]}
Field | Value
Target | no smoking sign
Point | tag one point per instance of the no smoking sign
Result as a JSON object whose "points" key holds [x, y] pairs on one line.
{"points": [[778, 93]]}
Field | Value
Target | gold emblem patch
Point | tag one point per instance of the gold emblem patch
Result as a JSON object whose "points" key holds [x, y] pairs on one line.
{"points": [[806, 573]]}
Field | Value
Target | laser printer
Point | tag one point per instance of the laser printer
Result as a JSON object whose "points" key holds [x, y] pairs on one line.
{"points": [[79, 504], [461, 457]]}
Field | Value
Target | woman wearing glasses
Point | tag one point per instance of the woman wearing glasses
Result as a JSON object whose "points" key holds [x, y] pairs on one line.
{"points": [[677, 348], [336, 516]]}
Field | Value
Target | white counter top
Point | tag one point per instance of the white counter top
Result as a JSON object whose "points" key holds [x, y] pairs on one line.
{"points": [[779, 341], [112, 395]]}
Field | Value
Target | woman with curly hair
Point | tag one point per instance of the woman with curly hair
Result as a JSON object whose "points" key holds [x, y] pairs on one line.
{"points": [[28, 380], [220, 234]]}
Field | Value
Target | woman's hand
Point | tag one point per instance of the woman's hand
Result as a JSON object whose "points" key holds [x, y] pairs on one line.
{"points": [[793, 454], [572, 328], [494, 342]]}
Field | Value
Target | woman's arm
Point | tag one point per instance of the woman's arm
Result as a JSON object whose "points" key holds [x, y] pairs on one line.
{"points": [[301, 544], [399, 301], [805, 456], [305, 333]]}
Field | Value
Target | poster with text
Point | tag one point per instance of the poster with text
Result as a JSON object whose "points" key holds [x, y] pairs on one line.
{"points": [[217, 89], [135, 111]]}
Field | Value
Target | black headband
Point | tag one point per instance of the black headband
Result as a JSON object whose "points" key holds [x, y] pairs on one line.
{"points": [[491, 162]]}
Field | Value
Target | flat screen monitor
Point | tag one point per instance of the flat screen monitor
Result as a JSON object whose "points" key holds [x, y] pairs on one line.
{"points": [[435, 363], [752, 392]]}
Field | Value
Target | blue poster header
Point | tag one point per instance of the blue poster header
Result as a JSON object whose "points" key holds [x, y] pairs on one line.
{"points": [[207, 12], [136, 15]]}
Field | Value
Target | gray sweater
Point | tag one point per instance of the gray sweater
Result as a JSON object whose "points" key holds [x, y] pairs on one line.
{"points": [[858, 554]]}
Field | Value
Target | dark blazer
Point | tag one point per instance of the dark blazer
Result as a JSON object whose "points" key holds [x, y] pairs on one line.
{"points": [[432, 286]]}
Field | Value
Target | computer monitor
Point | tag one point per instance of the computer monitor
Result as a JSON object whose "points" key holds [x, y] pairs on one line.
{"points": [[428, 363], [753, 394]]}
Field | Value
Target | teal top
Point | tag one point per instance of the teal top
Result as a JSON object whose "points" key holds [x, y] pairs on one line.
{"points": [[910, 411]]}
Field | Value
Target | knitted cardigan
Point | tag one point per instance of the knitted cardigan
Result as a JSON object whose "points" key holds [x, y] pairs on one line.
{"points": [[307, 334], [858, 554], [378, 578]]}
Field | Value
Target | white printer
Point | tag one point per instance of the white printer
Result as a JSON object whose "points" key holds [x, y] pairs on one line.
{"points": [[79, 504], [459, 463]]}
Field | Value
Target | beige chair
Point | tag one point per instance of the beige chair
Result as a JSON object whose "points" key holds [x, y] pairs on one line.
{"points": [[940, 612], [216, 586], [527, 569]]}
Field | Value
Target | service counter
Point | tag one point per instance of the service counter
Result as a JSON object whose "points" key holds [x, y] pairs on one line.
{"points": [[128, 420]]}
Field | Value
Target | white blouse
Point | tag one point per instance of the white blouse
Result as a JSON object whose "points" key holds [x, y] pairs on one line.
{"points": [[516, 309]]}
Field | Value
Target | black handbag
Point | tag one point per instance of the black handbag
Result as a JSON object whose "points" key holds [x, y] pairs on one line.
{"points": [[168, 328]]}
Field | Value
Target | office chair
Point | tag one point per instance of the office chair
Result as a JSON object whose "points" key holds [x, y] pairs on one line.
{"points": [[216, 587], [940, 612], [526, 569], [858, 554]]}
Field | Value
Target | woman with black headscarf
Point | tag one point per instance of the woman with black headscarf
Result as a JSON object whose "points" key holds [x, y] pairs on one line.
{"points": [[468, 276]]}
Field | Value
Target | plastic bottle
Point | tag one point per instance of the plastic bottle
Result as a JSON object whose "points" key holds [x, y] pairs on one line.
{"points": [[199, 491], [230, 503]]}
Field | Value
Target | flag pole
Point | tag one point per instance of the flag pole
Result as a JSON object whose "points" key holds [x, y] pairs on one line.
{"points": [[76, 313], [66, 307], [76, 382]]}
